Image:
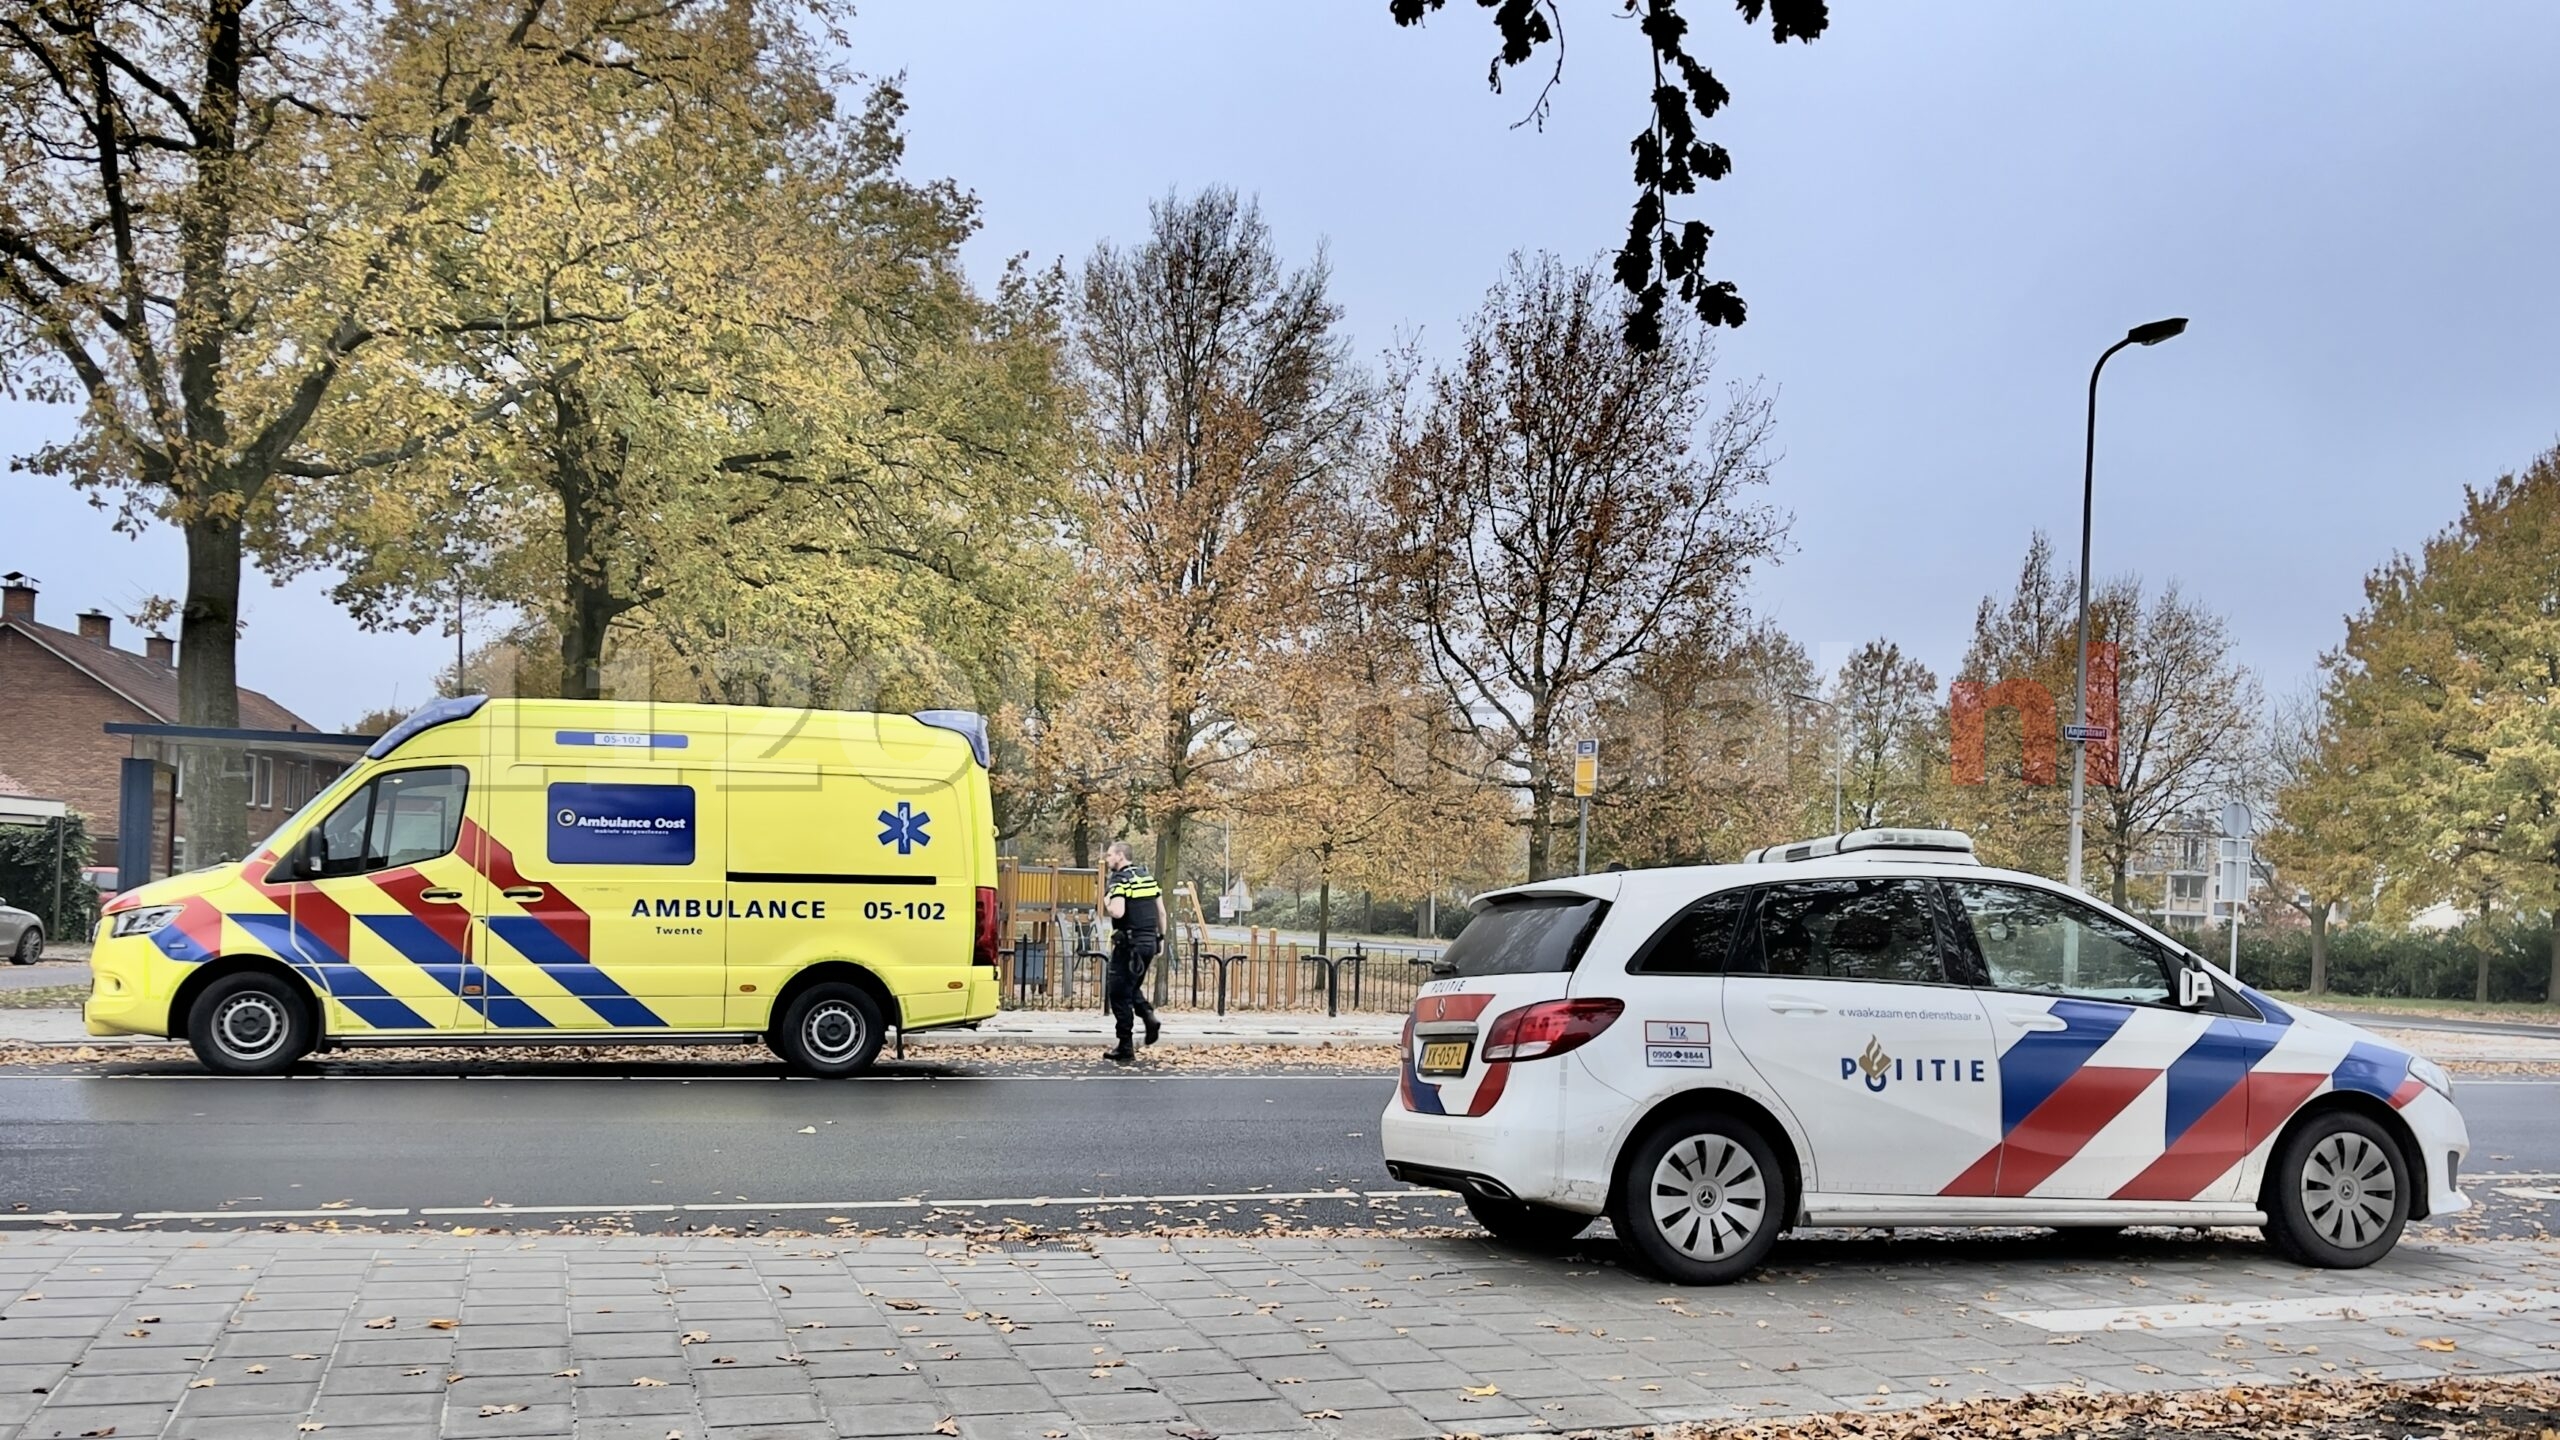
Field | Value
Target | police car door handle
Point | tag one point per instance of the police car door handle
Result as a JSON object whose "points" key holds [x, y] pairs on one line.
{"points": [[1795, 1005], [441, 897], [2036, 1020], [522, 892]]}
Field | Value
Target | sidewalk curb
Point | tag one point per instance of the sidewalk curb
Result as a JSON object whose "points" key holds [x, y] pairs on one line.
{"points": [[1179, 1033]]}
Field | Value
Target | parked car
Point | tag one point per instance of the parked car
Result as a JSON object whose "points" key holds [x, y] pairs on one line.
{"points": [[1873, 1029], [21, 935]]}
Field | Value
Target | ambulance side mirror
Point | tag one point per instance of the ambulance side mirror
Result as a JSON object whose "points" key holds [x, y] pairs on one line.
{"points": [[311, 855], [2195, 988]]}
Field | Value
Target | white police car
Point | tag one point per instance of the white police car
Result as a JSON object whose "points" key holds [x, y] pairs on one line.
{"points": [[1873, 1029]]}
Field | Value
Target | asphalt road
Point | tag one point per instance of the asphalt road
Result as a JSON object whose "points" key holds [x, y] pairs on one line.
{"points": [[42, 974], [143, 1144], [695, 1147]]}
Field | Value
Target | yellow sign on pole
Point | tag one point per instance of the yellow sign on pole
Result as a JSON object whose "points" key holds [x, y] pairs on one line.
{"points": [[1586, 768]]}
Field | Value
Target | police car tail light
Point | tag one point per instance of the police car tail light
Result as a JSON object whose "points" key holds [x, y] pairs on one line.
{"points": [[1535, 1032], [985, 951]]}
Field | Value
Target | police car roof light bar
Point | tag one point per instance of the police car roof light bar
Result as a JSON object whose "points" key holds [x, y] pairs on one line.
{"points": [[1954, 845]]}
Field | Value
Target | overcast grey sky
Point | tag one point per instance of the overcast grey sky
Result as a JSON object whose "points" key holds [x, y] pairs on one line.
{"points": [[1939, 215]]}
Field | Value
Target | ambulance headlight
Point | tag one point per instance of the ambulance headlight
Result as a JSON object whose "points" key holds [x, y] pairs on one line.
{"points": [[149, 920], [2430, 1074]]}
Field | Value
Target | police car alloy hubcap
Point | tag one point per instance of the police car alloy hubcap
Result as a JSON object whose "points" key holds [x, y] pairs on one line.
{"points": [[2348, 1190], [833, 1031], [1709, 1196], [250, 1027]]}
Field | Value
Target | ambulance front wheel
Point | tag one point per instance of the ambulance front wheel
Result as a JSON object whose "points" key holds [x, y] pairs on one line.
{"points": [[829, 1031], [249, 1024]]}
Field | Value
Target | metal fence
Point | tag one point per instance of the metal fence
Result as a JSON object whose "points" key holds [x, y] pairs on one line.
{"points": [[1269, 976]]}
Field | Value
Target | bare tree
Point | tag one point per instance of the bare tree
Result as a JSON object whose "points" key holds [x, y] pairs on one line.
{"points": [[1562, 504], [1891, 723], [2186, 720]]}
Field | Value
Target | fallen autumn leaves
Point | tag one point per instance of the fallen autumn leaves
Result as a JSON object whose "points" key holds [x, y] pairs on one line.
{"points": [[1349, 1055], [2514, 1408]]}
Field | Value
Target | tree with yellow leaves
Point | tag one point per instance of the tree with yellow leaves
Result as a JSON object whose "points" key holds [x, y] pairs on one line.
{"points": [[792, 429], [2440, 712], [2313, 852], [217, 208]]}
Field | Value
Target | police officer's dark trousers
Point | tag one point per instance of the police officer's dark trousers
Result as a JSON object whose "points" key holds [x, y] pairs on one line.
{"points": [[1124, 984]]}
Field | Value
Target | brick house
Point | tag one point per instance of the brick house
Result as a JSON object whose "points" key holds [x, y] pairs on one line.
{"points": [[59, 689]]}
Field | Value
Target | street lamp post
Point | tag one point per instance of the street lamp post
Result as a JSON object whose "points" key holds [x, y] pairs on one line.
{"points": [[1832, 716], [2151, 334]]}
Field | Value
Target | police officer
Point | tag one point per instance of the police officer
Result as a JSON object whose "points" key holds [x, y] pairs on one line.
{"points": [[1135, 903]]}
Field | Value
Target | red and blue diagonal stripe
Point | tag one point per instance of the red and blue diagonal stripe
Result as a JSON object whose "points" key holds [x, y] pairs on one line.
{"points": [[330, 972], [554, 934]]}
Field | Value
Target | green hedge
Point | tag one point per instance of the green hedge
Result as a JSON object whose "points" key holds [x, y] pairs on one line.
{"points": [[26, 880], [2381, 961]]}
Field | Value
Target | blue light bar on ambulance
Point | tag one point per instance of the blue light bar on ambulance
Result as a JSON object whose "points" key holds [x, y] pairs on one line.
{"points": [[1950, 845], [969, 724], [427, 717]]}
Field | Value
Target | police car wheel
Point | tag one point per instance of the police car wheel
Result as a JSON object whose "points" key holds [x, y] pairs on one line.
{"points": [[1527, 1224], [2337, 1193], [1700, 1199], [249, 1024], [831, 1030]]}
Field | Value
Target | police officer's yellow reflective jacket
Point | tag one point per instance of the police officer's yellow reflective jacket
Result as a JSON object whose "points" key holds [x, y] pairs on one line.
{"points": [[1143, 910]]}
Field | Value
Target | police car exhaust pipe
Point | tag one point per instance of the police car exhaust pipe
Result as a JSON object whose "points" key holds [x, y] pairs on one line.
{"points": [[1490, 1189]]}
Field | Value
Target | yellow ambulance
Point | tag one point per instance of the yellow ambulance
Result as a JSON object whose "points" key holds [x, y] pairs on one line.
{"points": [[518, 871]]}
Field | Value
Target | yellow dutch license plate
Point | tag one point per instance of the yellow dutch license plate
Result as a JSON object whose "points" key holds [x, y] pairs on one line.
{"points": [[1444, 1057]]}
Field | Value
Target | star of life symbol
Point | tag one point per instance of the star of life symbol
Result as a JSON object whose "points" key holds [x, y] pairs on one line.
{"points": [[904, 828]]}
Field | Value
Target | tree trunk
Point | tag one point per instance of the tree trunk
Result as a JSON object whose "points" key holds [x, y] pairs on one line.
{"points": [[1541, 798], [215, 781], [2480, 981], [1080, 833], [1324, 913], [2320, 950], [1169, 862], [2551, 987], [588, 602]]}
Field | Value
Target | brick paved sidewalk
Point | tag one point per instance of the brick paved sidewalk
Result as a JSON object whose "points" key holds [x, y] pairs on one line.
{"points": [[276, 1335]]}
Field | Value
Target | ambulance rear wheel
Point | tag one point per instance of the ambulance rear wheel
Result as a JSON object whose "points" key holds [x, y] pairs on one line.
{"points": [[249, 1024], [829, 1031]]}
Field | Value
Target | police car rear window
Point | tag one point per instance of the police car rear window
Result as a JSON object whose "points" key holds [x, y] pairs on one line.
{"points": [[1523, 935]]}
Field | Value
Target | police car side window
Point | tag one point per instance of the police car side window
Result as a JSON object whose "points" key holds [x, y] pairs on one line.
{"points": [[1697, 940], [1880, 930], [2046, 944]]}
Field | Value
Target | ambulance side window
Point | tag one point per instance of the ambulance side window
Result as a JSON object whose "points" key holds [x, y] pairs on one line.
{"points": [[397, 819]]}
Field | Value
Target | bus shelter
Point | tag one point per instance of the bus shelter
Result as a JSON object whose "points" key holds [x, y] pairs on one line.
{"points": [[272, 771]]}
